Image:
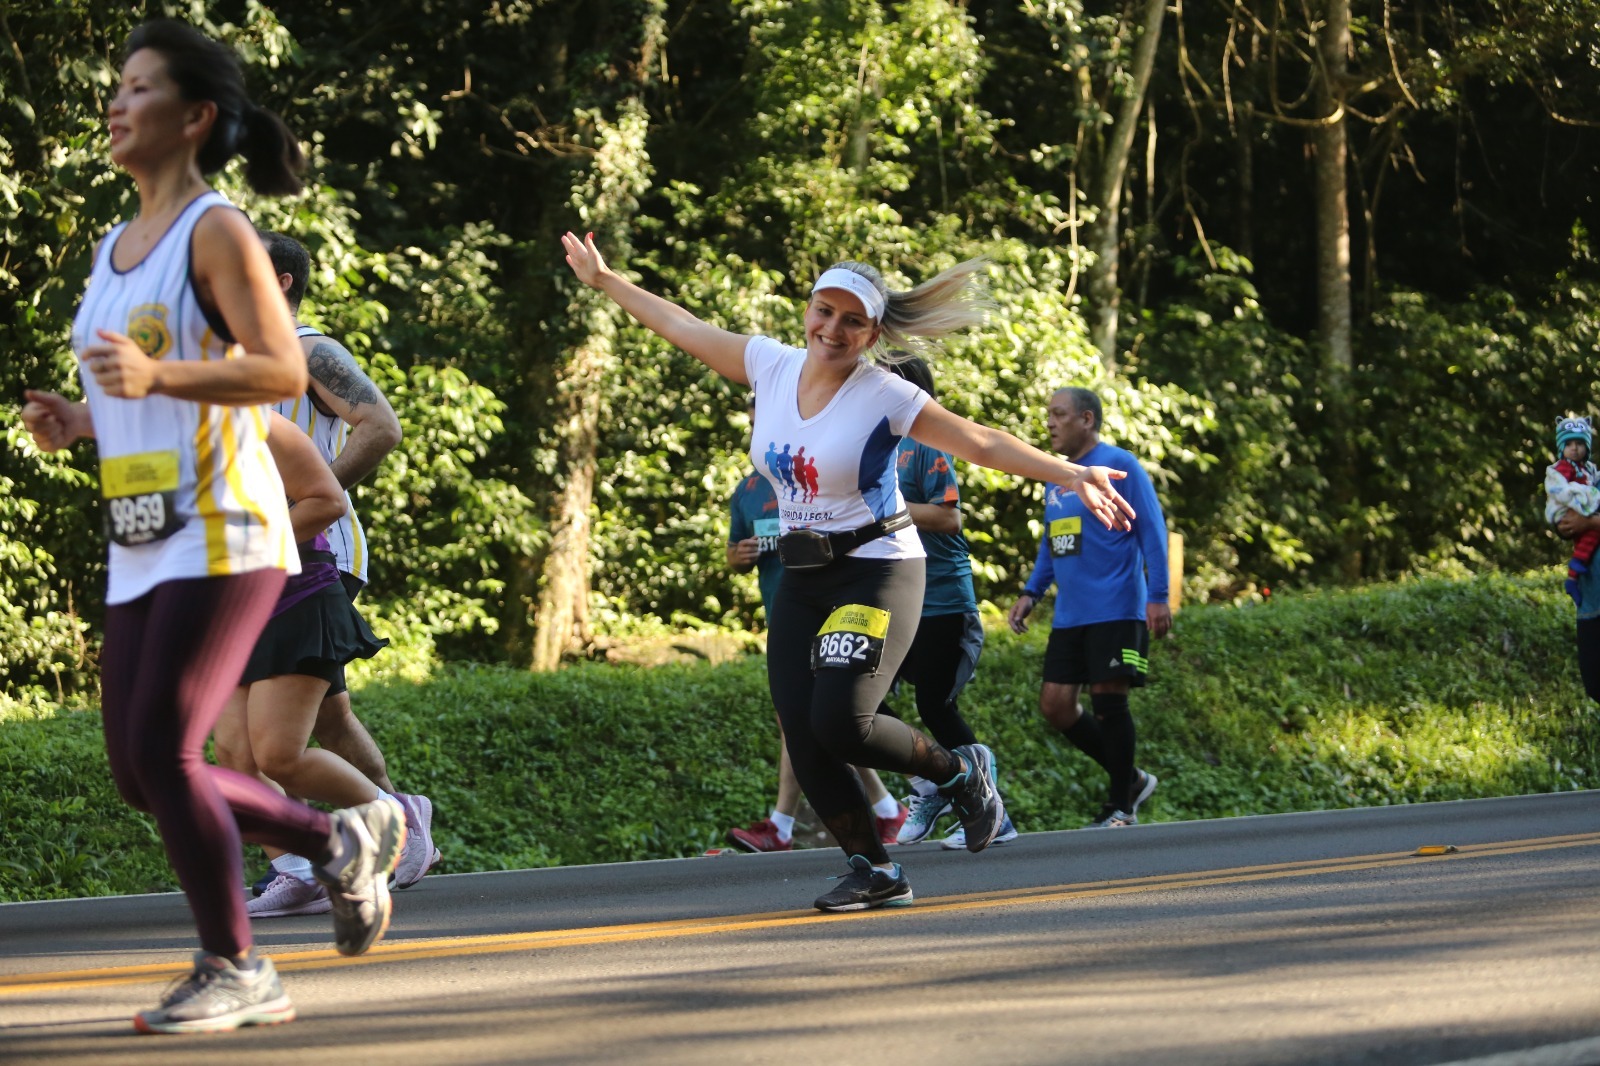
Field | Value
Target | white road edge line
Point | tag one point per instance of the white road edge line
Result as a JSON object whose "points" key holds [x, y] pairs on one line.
{"points": [[1576, 1053]]}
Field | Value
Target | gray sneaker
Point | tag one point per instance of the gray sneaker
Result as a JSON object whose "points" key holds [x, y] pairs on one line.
{"points": [[975, 799], [924, 814], [1110, 817], [360, 892], [217, 997]]}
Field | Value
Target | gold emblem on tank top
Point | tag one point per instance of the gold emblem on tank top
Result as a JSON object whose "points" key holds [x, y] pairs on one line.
{"points": [[147, 327]]}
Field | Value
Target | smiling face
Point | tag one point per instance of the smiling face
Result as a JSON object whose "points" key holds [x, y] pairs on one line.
{"points": [[1071, 431], [149, 118], [838, 328]]}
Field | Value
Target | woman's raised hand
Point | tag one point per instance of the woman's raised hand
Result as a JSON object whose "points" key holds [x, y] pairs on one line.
{"points": [[584, 258], [1104, 502]]}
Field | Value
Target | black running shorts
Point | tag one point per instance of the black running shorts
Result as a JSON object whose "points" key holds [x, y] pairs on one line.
{"points": [[1104, 651]]}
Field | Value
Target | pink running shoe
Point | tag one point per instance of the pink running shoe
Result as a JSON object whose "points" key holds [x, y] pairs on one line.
{"points": [[762, 836], [419, 855], [288, 896], [889, 828]]}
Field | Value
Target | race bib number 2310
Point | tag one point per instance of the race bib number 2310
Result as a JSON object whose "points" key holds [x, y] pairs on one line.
{"points": [[851, 639]]}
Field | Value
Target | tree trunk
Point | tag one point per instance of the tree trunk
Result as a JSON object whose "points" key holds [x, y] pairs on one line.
{"points": [[563, 613], [607, 196], [1331, 163], [1105, 234], [1331, 169]]}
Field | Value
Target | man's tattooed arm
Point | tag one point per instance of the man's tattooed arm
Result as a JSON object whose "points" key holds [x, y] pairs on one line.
{"points": [[340, 386], [334, 369]]}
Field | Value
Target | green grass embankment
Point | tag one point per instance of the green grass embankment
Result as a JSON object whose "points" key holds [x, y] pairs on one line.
{"points": [[1425, 690]]}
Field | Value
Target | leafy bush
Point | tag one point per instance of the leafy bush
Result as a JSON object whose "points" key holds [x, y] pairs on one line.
{"points": [[1421, 690]]}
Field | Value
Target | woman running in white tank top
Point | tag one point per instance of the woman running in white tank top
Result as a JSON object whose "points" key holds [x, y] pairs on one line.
{"points": [[182, 339]]}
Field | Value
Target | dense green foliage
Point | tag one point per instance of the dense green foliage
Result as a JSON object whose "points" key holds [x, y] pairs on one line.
{"points": [[726, 150], [1422, 690]]}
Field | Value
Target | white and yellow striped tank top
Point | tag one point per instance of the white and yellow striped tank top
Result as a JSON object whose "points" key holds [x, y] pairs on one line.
{"points": [[209, 464], [329, 433]]}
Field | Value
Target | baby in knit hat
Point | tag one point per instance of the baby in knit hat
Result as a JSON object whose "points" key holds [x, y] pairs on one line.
{"points": [[1573, 482]]}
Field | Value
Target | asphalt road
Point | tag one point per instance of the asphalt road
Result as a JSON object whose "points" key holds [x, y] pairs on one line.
{"points": [[1309, 938]]}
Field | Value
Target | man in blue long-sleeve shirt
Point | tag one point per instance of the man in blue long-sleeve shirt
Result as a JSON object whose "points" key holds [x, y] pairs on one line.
{"points": [[1111, 598]]}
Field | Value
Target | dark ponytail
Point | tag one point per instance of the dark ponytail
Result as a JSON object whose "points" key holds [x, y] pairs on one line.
{"points": [[203, 69]]}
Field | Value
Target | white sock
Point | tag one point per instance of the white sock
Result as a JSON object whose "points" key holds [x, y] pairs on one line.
{"points": [[784, 824], [888, 807], [293, 865], [923, 787]]}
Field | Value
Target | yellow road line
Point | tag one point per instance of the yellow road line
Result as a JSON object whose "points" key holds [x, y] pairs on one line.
{"points": [[460, 947]]}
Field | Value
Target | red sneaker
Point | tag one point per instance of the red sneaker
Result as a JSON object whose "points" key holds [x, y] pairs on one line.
{"points": [[762, 836], [889, 828]]}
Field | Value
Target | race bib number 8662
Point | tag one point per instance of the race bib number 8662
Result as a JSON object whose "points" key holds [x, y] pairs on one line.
{"points": [[851, 639]]}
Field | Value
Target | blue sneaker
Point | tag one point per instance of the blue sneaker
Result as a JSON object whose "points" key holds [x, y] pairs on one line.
{"points": [[958, 837]]}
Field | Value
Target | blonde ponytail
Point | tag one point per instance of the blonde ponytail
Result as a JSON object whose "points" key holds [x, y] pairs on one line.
{"points": [[951, 300]]}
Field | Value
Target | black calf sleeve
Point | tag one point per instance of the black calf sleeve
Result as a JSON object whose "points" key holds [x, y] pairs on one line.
{"points": [[1116, 729], [1086, 736]]}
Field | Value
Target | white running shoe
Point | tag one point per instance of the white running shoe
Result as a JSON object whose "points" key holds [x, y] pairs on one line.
{"points": [[288, 896], [360, 891], [217, 997]]}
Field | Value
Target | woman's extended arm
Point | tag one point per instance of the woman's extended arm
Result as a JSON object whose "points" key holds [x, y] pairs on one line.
{"points": [[717, 348], [998, 450]]}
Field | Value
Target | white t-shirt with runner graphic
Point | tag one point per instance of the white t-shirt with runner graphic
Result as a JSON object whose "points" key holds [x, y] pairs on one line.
{"points": [[834, 471]]}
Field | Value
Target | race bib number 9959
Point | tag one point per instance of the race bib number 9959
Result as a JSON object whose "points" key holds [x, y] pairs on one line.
{"points": [[141, 497], [851, 639]]}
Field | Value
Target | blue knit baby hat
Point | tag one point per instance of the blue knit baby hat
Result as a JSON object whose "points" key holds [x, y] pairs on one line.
{"points": [[1574, 428]]}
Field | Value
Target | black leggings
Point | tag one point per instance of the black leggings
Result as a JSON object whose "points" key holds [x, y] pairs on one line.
{"points": [[830, 716], [935, 666], [170, 661], [1589, 656]]}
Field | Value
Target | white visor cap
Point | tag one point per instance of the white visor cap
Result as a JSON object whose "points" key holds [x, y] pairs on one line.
{"points": [[855, 284]]}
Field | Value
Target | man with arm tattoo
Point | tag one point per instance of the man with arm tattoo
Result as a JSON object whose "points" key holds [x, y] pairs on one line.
{"points": [[354, 427]]}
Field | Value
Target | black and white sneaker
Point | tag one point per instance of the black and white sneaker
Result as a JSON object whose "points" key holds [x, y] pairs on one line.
{"points": [[866, 887], [360, 891], [1141, 792], [975, 799]]}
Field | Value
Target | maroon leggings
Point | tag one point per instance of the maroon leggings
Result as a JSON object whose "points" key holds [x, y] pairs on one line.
{"points": [[170, 661]]}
